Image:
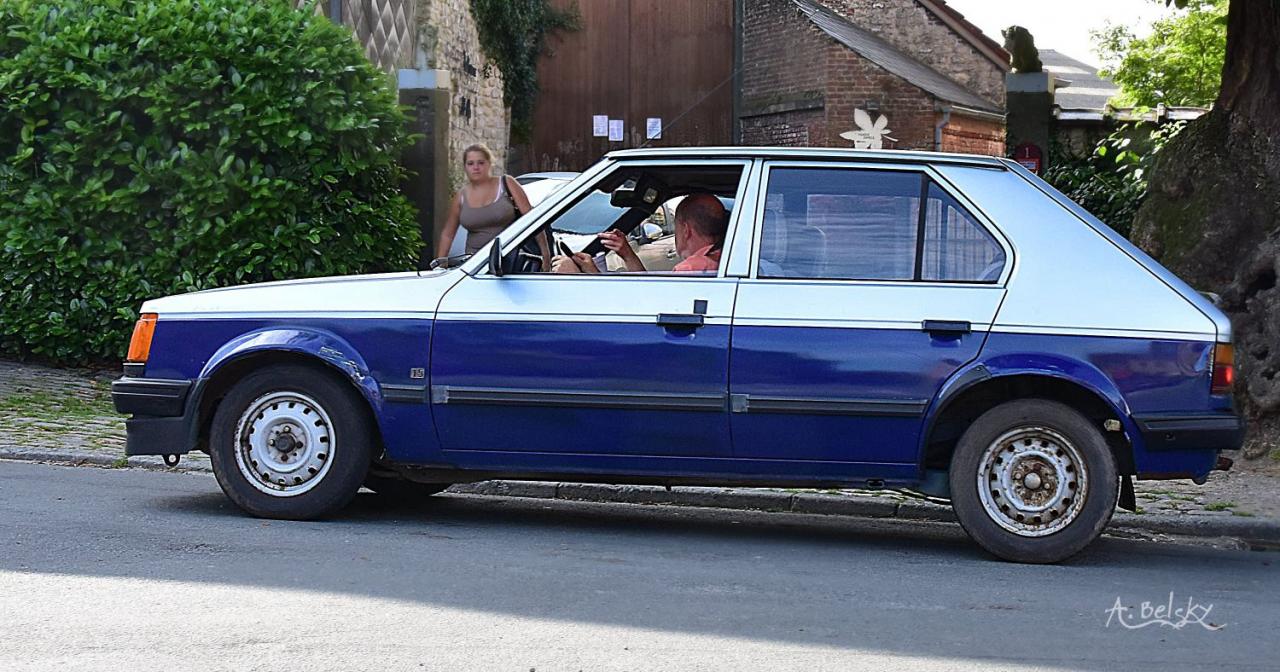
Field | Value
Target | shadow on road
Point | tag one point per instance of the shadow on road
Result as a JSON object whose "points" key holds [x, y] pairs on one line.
{"points": [[920, 589]]}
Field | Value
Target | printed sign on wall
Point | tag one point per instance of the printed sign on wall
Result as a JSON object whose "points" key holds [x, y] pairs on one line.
{"points": [[653, 128], [869, 134]]}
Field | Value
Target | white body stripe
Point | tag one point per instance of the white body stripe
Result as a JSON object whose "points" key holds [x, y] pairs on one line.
{"points": [[1069, 278]]}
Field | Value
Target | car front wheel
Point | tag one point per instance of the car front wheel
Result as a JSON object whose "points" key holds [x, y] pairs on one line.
{"points": [[290, 442], [1033, 481]]}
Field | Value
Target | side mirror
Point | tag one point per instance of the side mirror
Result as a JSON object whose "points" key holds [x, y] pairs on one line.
{"points": [[495, 258]]}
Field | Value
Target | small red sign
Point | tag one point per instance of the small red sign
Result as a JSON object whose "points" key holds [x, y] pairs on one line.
{"points": [[1030, 156]]}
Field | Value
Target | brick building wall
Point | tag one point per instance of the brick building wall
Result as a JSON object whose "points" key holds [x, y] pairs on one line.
{"points": [[800, 87], [784, 76], [907, 25], [855, 81], [967, 135]]}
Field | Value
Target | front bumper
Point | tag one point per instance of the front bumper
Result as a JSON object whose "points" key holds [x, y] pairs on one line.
{"points": [[163, 421], [1210, 431]]}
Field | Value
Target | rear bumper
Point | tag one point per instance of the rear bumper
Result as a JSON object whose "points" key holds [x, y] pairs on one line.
{"points": [[163, 421], [1211, 431]]}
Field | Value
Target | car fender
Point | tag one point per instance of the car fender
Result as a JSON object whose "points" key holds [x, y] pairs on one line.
{"points": [[323, 345], [1045, 365]]}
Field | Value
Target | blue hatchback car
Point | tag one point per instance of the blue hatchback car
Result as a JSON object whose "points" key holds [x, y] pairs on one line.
{"points": [[948, 325]]}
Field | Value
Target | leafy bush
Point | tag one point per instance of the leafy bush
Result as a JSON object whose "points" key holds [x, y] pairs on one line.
{"points": [[1111, 183], [152, 147]]}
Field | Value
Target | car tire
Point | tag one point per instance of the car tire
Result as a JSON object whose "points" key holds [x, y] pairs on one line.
{"points": [[291, 442], [1033, 481], [403, 490]]}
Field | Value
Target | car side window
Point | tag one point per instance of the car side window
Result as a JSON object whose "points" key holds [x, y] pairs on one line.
{"points": [[840, 223], [956, 247], [639, 202]]}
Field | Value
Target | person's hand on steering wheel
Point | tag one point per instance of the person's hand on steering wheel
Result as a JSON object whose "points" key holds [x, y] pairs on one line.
{"points": [[580, 262], [616, 241]]}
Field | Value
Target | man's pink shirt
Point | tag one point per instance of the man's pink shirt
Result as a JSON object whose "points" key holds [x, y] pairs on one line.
{"points": [[705, 259]]}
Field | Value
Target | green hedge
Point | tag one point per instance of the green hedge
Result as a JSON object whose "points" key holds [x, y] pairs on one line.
{"points": [[1111, 182], [153, 147]]}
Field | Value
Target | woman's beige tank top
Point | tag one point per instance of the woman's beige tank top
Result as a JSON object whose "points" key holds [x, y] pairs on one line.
{"points": [[483, 224]]}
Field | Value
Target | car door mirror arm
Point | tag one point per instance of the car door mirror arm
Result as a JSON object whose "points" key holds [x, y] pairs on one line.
{"points": [[495, 258]]}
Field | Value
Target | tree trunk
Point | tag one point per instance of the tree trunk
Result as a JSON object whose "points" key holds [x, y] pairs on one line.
{"points": [[1213, 209]]}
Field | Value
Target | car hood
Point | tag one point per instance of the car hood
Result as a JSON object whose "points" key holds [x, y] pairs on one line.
{"points": [[391, 294]]}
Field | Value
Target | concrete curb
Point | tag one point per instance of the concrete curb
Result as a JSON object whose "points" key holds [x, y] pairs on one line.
{"points": [[1261, 531], [77, 459]]}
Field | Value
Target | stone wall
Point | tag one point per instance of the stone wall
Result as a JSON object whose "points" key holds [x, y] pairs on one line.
{"points": [[447, 37], [907, 25], [438, 35]]}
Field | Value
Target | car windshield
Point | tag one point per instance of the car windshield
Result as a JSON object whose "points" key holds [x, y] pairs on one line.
{"points": [[589, 216]]}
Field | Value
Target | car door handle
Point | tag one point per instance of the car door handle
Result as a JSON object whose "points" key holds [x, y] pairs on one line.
{"points": [[680, 320], [947, 327]]}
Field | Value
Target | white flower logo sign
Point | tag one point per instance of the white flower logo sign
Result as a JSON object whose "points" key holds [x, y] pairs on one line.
{"points": [[869, 134]]}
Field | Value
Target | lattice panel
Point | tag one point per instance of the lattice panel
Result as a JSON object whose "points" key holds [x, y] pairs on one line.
{"points": [[383, 27]]}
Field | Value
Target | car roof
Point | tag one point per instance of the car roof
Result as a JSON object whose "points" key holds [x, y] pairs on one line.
{"points": [[808, 154], [548, 176]]}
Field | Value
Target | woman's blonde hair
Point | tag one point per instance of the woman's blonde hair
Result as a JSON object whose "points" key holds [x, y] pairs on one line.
{"points": [[478, 147]]}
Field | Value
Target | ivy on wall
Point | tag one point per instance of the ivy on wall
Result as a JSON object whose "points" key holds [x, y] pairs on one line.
{"points": [[513, 35]]}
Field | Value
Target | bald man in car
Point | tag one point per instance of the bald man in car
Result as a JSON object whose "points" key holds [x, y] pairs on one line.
{"points": [[701, 224]]}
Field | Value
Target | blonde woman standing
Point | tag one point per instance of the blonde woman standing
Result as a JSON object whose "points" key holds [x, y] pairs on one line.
{"points": [[485, 206]]}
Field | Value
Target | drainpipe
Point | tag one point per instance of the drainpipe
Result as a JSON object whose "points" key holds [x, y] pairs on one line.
{"points": [[937, 130]]}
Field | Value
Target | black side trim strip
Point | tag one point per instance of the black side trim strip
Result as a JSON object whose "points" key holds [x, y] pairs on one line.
{"points": [[149, 396], [405, 394], [812, 406], [1220, 431], [441, 394]]}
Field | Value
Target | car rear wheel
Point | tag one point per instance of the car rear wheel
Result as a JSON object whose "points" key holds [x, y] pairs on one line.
{"points": [[291, 442], [1033, 481]]}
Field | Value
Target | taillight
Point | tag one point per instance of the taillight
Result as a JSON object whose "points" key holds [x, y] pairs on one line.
{"points": [[140, 344], [1224, 369]]}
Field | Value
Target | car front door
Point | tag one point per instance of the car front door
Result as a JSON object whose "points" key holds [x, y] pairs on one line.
{"points": [[857, 306], [583, 371]]}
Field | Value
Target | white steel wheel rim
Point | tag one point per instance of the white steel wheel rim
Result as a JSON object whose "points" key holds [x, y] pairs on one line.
{"points": [[284, 444], [1032, 481]]}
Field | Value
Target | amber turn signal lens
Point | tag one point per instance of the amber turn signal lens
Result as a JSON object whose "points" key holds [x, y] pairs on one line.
{"points": [[140, 344], [1224, 368]]}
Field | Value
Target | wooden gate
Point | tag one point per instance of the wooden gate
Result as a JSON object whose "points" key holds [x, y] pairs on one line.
{"points": [[633, 60]]}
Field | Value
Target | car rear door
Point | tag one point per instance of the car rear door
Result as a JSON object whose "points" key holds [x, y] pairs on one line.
{"points": [[856, 307]]}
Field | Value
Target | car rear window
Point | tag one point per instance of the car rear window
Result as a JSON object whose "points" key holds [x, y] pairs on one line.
{"points": [[865, 224]]}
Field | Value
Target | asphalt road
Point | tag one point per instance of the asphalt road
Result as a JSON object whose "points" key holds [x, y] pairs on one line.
{"points": [[138, 570]]}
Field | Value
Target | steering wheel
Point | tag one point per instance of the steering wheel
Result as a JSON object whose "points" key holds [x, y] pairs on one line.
{"points": [[527, 257]]}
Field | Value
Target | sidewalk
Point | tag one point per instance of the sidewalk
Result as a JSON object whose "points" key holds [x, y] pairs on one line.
{"points": [[53, 415]]}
